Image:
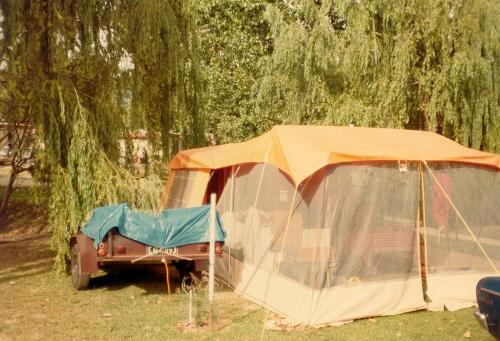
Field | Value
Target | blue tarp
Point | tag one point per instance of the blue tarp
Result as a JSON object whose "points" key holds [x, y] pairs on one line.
{"points": [[174, 227]]}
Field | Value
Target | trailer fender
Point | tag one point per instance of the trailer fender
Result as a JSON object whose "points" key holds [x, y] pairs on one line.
{"points": [[88, 254]]}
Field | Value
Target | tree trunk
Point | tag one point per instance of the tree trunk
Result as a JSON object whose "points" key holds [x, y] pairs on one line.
{"points": [[7, 193], [484, 132], [440, 123]]}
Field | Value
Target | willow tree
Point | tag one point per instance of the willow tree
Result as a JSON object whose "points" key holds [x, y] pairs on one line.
{"points": [[86, 74], [430, 65], [233, 37]]}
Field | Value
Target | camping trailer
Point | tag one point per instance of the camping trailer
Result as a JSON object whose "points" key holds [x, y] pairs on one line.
{"points": [[329, 224]]}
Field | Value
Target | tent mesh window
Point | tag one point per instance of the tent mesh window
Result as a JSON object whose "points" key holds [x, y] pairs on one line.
{"points": [[182, 185], [462, 232], [346, 224], [453, 190], [260, 202]]}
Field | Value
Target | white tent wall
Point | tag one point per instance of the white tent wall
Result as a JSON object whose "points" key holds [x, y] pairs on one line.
{"points": [[455, 261], [341, 246]]}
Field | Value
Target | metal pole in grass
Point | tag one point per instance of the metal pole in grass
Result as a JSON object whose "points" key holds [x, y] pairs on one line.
{"points": [[211, 262]]}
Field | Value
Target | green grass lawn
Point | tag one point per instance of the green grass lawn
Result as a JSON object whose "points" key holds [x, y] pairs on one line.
{"points": [[44, 306], [37, 304]]}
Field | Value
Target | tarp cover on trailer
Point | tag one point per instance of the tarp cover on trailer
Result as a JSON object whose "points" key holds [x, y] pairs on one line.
{"points": [[170, 228]]}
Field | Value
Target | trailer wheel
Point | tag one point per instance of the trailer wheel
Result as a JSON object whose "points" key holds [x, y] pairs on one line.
{"points": [[79, 280]]}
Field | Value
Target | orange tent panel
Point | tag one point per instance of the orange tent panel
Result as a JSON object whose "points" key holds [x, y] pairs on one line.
{"points": [[300, 151]]}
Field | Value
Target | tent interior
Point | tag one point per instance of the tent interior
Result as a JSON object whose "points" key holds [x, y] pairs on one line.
{"points": [[353, 239]]}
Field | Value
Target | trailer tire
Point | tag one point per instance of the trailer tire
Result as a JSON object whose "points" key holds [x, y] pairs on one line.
{"points": [[79, 280]]}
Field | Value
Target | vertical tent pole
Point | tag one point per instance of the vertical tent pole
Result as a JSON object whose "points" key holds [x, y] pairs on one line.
{"points": [[290, 213], [266, 158], [422, 245], [318, 251], [259, 186], [257, 196], [231, 222], [211, 261]]}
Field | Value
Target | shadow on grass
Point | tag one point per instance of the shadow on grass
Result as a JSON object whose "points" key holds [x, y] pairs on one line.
{"points": [[24, 215], [31, 267], [25, 257], [25, 272], [151, 279]]}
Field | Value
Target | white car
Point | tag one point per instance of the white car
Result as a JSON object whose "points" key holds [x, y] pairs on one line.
{"points": [[4, 151], [4, 154]]}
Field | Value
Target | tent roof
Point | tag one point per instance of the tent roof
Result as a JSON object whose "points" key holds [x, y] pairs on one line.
{"points": [[299, 151]]}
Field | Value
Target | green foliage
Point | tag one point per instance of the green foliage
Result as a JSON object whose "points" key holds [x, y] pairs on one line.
{"points": [[87, 74], [233, 37], [163, 45], [89, 180], [430, 65]]}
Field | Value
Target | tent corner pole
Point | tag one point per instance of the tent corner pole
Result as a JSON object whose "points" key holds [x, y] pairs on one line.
{"points": [[422, 232], [290, 213], [232, 220]]}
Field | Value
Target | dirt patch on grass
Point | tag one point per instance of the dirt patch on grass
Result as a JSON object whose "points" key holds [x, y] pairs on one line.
{"points": [[25, 257], [24, 239], [187, 327], [25, 218]]}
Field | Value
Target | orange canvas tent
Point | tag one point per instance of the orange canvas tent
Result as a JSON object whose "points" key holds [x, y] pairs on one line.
{"points": [[328, 224], [299, 151]]}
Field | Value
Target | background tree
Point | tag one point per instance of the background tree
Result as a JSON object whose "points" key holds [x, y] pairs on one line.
{"points": [[85, 74], [431, 65], [88, 73], [16, 141], [234, 35]]}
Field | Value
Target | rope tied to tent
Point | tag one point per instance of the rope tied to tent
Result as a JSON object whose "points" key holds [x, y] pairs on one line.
{"points": [[461, 217]]}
